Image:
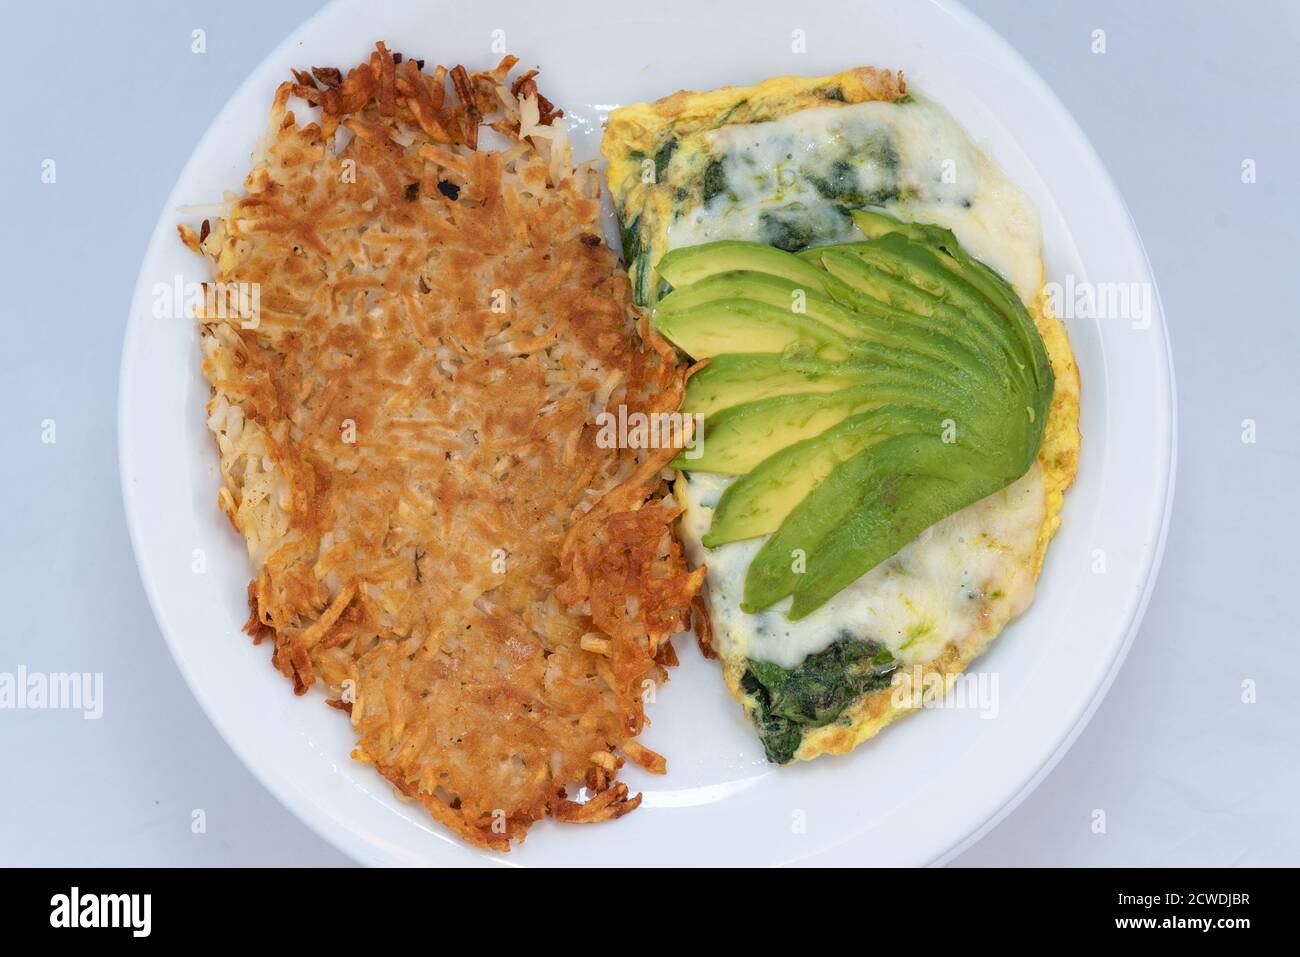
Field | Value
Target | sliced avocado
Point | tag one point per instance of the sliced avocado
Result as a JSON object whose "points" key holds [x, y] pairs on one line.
{"points": [[860, 392], [867, 319], [892, 510], [757, 503], [732, 380], [737, 284], [862, 480], [738, 438], [902, 486], [875, 224], [871, 280], [939, 332], [943, 329], [747, 377], [998, 291], [766, 288], [739, 326], [917, 265], [999, 347], [690, 264]]}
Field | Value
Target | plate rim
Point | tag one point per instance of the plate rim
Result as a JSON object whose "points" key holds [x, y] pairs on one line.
{"points": [[346, 840]]}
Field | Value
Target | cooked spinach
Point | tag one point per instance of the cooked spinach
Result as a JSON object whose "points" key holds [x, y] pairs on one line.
{"points": [[714, 181], [795, 227], [662, 156], [815, 692], [780, 736], [839, 183], [882, 151], [726, 117], [635, 257], [630, 234], [787, 231]]}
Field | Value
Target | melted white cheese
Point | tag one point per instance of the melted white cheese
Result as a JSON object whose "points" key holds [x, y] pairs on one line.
{"points": [[948, 583], [973, 570], [912, 159]]}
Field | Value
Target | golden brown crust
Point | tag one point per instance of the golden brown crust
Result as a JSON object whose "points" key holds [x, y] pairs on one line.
{"points": [[409, 447], [688, 111]]}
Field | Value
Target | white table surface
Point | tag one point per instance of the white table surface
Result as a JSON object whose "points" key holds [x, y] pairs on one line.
{"points": [[1186, 772]]}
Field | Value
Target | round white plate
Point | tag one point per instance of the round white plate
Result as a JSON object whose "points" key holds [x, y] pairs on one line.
{"points": [[916, 794]]}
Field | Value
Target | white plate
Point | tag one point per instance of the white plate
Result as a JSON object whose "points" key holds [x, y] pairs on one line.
{"points": [[918, 793]]}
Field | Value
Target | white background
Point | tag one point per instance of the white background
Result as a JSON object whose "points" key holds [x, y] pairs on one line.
{"points": [[1185, 772]]}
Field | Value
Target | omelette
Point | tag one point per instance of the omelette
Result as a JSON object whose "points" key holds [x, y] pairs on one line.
{"points": [[914, 266]]}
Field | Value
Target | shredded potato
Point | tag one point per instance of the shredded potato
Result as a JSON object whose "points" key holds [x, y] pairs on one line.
{"points": [[408, 443]]}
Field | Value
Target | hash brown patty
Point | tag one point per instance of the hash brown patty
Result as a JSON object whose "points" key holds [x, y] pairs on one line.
{"points": [[407, 442]]}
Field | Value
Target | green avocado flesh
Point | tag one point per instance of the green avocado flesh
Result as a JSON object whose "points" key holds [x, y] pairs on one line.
{"points": [[683, 267], [742, 325], [860, 393]]}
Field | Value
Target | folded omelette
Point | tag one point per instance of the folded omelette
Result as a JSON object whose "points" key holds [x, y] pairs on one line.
{"points": [[882, 383]]}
